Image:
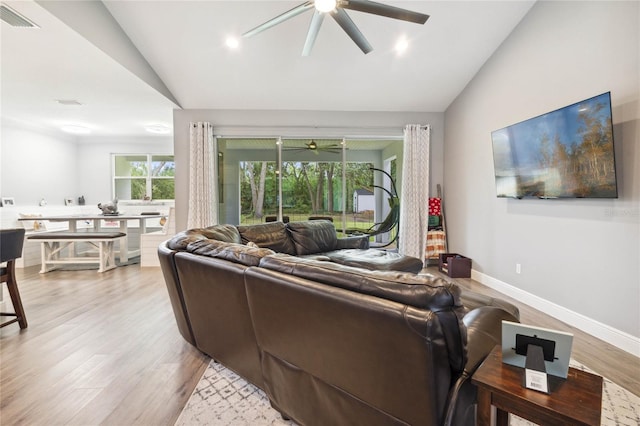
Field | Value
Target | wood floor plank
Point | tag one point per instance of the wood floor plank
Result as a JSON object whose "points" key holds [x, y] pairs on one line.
{"points": [[104, 349]]}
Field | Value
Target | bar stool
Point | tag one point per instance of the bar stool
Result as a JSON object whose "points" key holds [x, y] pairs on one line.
{"points": [[11, 241]]}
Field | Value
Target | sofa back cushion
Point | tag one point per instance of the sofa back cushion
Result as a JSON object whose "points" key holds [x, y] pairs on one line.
{"points": [[272, 235], [421, 291], [224, 233], [314, 236], [237, 253]]}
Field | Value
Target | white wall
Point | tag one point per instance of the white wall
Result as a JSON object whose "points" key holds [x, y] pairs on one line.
{"points": [[94, 165], [36, 165], [295, 123], [580, 258]]}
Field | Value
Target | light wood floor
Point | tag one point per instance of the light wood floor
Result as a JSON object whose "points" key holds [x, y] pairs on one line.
{"points": [[99, 349], [104, 349]]}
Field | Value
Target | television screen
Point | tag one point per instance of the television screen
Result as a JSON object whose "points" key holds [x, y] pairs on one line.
{"points": [[566, 153]]}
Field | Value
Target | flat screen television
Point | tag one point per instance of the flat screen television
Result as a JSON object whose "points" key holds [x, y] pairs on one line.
{"points": [[566, 153]]}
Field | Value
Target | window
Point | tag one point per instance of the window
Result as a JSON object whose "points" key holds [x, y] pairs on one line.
{"points": [[143, 176]]}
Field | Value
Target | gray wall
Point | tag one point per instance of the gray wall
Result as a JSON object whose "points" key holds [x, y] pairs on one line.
{"points": [[582, 255], [295, 123]]}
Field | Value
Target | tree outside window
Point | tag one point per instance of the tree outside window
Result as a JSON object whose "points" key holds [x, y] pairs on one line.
{"points": [[143, 177]]}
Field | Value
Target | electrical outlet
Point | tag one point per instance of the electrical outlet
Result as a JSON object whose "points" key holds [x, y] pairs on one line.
{"points": [[518, 268]]}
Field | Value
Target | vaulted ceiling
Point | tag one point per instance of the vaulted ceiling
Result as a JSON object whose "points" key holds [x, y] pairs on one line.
{"points": [[130, 63]]}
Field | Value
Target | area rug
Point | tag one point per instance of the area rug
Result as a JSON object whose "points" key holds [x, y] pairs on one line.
{"points": [[222, 398]]}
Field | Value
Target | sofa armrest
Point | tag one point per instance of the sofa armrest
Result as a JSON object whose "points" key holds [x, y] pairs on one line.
{"points": [[353, 242], [484, 332]]}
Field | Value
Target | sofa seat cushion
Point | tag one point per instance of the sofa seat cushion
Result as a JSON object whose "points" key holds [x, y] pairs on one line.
{"points": [[376, 260], [236, 253], [272, 235], [223, 233], [421, 291], [314, 236]]}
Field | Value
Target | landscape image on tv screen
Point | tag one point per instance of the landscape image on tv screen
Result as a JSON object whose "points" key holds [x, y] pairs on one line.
{"points": [[566, 153]]}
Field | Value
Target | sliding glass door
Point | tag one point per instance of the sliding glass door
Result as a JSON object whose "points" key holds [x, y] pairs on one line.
{"points": [[269, 179]]}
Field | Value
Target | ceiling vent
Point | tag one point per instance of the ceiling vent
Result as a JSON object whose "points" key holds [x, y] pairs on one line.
{"points": [[15, 19]]}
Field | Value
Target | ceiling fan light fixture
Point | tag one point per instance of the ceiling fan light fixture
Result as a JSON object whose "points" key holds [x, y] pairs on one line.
{"points": [[312, 145], [232, 42], [401, 45], [325, 5]]}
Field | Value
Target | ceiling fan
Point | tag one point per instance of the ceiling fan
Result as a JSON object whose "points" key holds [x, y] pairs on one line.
{"points": [[336, 8], [315, 148]]}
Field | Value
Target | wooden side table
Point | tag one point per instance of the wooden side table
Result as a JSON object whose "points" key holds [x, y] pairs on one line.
{"points": [[575, 401]]}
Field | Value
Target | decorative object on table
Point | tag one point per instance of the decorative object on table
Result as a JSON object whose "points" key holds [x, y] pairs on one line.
{"points": [[81, 200], [68, 201], [8, 201], [109, 209], [43, 202], [36, 225], [555, 345]]}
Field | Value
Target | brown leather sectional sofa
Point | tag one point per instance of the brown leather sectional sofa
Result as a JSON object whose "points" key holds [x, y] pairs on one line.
{"points": [[331, 343]]}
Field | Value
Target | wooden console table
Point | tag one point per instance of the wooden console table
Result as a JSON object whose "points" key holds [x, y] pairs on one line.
{"points": [[574, 401]]}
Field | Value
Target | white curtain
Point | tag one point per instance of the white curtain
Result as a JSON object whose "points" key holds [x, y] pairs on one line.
{"points": [[414, 202], [203, 178]]}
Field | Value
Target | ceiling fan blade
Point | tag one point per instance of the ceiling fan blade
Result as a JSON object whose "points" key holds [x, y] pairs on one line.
{"points": [[384, 10], [350, 28], [314, 28], [279, 19]]}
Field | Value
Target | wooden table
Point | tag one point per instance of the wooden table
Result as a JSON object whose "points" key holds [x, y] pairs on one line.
{"points": [[122, 219], [574, 401]]}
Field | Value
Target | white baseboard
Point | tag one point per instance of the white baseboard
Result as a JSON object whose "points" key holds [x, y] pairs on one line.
{"points": [[613, 336]]}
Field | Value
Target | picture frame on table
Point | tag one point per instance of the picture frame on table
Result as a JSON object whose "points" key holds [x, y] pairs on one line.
{"points": [[69, 202], [8, 201]]}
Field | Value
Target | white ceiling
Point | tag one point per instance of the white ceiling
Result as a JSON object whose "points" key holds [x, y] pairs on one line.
{"points": [[184, 43]]}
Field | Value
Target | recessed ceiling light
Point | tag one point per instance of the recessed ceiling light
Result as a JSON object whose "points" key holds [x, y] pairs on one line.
{"points": [[401, 46], [68, 102], [77, 130], [232, 42], [159, 129]]}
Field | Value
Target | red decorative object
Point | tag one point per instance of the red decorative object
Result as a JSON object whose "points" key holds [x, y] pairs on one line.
{"points": [[434, 206]]}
